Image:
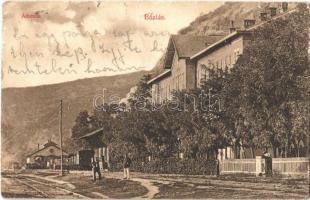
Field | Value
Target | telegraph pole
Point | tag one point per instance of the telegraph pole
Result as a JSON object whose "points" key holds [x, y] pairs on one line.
{"points": [[60, 133], [308, 140]]}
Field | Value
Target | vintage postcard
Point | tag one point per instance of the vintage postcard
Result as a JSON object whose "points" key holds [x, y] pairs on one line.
{"points": [[155, 99]]}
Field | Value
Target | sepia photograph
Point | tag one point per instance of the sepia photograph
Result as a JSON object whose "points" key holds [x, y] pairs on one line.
{"points": [[155, 100]]}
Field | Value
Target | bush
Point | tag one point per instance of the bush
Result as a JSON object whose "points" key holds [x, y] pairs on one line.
{"points": [[34, 166], [172, 166], [78, 167]]}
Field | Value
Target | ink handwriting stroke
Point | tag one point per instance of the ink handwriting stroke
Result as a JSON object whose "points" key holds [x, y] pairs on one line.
{"points": [[70, 52]]}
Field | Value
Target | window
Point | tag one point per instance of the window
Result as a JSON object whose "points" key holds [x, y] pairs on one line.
{"points": [[175, 83], [181, 81], [237, 54], [207, 74], [161, 92], [203, 74], [169, 91]]}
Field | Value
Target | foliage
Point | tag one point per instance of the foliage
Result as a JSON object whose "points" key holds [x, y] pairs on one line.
{"points": [[269, 73], [142, 95], [173, 166], [259, 103], [80, 128]]}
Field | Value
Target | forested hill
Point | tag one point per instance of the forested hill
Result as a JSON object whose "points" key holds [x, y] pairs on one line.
{"points": [[219, 21], [30, 116]]}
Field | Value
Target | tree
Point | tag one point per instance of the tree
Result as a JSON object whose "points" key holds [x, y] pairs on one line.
{"points": [[80, 128], [82, 125], [270, 70], [141, 97]]}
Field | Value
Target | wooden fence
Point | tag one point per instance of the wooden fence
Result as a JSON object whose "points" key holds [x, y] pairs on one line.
{"points": [[290, 166], [280, 166], [243, 166]]}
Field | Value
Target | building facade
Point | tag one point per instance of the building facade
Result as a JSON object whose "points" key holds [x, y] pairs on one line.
{"points": [[190, 59], [179, 70], [46, 157], [99, 148], [185, 70], [221, 56]]}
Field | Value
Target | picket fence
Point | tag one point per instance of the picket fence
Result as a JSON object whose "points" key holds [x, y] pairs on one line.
{"points": [[280, 166]]}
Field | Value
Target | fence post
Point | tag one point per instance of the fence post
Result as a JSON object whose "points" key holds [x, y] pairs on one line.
{"points": [[218, 167]]}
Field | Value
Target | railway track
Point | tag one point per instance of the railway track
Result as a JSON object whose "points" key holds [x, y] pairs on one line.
{"points": [[44, 189]]}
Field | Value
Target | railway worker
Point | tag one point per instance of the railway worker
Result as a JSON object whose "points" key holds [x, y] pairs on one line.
{"points": [[127, 163], [96, 169]]}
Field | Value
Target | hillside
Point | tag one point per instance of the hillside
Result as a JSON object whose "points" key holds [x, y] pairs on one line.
{"points": [[30, 115], [219, 21]]}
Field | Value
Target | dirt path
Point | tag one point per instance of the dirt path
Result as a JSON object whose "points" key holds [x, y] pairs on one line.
{"points": [[152, 189], [147, 183]]}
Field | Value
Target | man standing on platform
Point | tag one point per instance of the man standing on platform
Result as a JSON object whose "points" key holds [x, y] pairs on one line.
{"points": [[96, 169], [127, 163]]}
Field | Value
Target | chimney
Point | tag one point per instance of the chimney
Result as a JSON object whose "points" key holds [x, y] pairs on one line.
{"points": [[248, 23], [273, 11], [284, 6], [232, 27], [263, 16]]}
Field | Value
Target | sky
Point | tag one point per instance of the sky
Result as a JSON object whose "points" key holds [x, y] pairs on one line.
{"points": [[53, 42]]}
